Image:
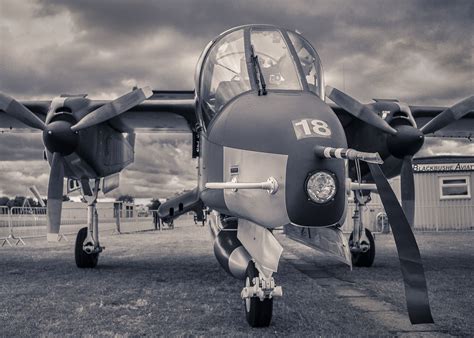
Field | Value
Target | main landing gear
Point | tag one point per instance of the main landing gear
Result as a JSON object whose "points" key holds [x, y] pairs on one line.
{"points": [[258, 293], [361, 241], [87, 248]]}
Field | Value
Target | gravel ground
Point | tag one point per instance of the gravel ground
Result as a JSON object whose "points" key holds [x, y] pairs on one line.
{"points": [[169, 283]]}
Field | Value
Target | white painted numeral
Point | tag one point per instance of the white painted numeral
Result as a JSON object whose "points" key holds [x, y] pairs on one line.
{"points": [[312, 128], [321, 128], [305, 125]]}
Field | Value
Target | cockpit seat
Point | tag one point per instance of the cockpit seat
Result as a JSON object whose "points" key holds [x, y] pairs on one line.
{"points": [[226, 91]]}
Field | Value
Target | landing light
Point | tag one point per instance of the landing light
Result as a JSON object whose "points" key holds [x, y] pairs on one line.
{"points": [[321, 187]]}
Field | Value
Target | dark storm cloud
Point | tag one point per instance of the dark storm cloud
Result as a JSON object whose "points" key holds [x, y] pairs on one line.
{"points": [[386, 48], [21, 147], [417, 51], [437, 146]]}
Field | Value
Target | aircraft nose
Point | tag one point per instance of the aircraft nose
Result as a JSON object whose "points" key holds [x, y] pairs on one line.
{"points": [[58, 137]]}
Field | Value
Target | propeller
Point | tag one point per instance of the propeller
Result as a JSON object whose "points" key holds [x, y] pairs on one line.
{"points": [[416, 291], [407, 182], [404, 139], [359, 110], [61, 137], [55, 196], [113, 108], [449, 115]]}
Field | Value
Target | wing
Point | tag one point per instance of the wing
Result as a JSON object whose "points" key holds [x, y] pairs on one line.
{"points": [[461, 128], [164, 111]]}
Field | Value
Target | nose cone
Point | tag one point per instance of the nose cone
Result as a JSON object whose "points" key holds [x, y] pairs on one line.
{"points": [[407, 141], [58, 137]]}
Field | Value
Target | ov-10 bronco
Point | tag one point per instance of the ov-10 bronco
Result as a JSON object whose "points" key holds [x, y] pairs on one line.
{"points": [[272, 153]]}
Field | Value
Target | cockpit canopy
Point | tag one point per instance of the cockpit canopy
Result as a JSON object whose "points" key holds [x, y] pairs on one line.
{"points": [[226, 69]]}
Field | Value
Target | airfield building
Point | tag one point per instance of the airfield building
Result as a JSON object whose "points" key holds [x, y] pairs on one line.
{"points": [[444, 200]]}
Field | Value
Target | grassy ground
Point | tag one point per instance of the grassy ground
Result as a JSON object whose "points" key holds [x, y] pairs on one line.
{"points": [[169, 283]]}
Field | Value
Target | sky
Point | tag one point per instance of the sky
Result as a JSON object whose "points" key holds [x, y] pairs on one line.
{"points": [[419, 52]]}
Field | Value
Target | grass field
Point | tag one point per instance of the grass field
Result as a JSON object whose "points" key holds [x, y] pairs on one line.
{"points": [[169, 283]]}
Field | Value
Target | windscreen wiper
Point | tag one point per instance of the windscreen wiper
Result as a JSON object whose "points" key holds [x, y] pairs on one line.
{"points": [[262, 87]]}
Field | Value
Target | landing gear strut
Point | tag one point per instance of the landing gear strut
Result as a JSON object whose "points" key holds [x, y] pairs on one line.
{"points": [[258, 294], [361, 241], [87, 248]]}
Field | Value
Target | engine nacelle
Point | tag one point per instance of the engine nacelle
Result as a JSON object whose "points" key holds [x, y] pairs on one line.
{"points": [[230, 253]]}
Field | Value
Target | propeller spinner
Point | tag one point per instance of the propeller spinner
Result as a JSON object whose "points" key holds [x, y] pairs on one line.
{"points": [[58, 136]]}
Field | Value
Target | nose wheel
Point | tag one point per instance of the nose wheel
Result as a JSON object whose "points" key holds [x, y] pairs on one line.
{"points": [[258, 312]]}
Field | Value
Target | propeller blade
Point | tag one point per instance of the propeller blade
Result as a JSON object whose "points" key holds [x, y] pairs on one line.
{"points": [[18, 111], [55, 196], [359, 110], [416, 291], [407, 184], [449, 115], [113, 108]]}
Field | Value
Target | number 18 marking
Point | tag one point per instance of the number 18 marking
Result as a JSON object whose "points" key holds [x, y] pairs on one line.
{"points": [[311, 128]]}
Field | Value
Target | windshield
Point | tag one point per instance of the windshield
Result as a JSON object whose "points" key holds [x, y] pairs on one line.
{"points": [[225, 74], [275, 60], [309, 61]]}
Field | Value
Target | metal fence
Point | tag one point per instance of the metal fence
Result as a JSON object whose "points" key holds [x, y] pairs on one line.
{"points": [[4, 222], [19, 223]]}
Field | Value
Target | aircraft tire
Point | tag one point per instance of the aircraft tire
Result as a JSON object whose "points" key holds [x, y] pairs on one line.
{"points": [[258, 313], [364, 259], [83, 259]]}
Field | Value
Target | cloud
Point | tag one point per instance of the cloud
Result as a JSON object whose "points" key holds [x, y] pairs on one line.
{"points": [[436, 146], [413, 50]]}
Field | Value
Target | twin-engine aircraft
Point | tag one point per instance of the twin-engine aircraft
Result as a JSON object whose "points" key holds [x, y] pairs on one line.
{"points": [[272, 154]]}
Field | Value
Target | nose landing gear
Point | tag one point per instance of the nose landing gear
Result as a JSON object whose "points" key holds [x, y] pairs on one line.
{"points": [[258, 294], [361, 240]]}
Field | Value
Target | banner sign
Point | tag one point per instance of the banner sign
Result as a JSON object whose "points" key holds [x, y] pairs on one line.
{"points": [[442, 167]]}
